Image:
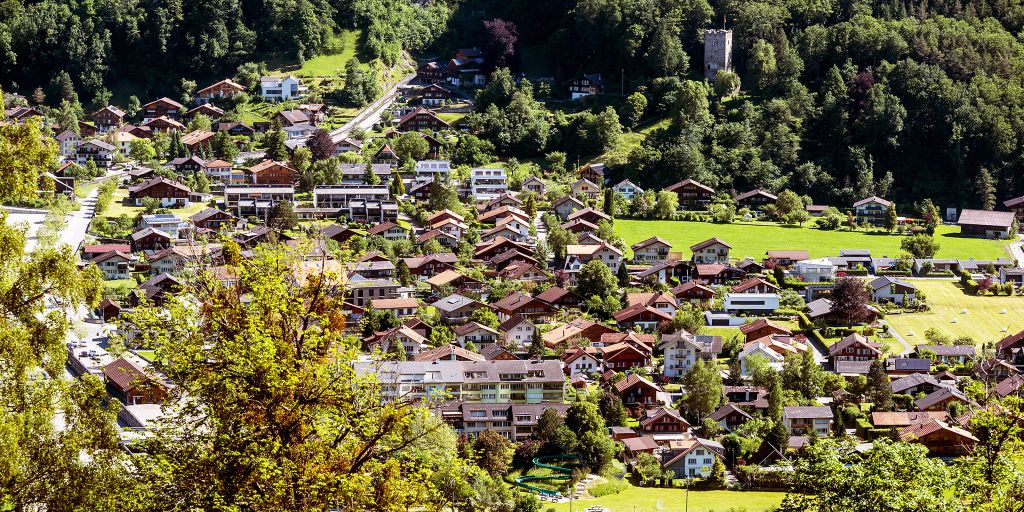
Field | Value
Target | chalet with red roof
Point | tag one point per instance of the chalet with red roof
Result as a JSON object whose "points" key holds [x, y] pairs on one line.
{"points": [[163, 107]]}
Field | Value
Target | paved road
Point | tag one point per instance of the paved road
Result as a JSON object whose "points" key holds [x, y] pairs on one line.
{"points": [[370, 115], [907, 347], [1016, 251]]}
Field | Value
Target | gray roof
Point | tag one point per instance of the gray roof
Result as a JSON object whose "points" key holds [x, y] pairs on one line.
{"points": [[911, 364], [881, 282], [940, 395], [913, 380], [453, 302], [853, 367], [948, 350], [468, 371], [808, 412]]}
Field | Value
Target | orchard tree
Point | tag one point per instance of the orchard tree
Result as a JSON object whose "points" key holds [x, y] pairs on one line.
{"points": [[411, 146]]}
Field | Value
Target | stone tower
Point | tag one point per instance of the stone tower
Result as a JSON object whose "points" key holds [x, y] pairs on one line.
{"points": [[717, 52]]}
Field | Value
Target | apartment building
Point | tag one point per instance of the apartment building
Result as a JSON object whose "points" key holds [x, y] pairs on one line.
{"points": [[514, 421], [495, 382]]}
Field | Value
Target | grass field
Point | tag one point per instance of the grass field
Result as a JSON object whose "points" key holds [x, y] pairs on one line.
{"points": [[118, 207], [326, 65], [983, 320], [674, 500], [754, 238]]}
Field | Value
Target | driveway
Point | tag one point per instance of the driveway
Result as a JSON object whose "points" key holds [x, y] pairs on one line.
{"points": [[907, 347]]}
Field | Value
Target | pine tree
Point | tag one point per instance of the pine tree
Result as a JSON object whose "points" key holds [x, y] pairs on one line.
{"points": [[404, 274], [879, 387], [623, 275], [370, 177], [986, 188], [397, 185], [274, 142], [609, 202], [891, 219]]}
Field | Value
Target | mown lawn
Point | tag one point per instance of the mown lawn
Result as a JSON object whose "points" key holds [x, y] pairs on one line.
{"points": [[118, 206], [983, 321], [754, 238], [674, 500]]}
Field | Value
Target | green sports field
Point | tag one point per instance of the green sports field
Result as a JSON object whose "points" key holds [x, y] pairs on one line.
{"points": [[754, 238], [983, 321], [674, 500]]}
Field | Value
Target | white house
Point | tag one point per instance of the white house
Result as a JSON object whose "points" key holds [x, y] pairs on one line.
{"points": [[628, 189], [281, 88], [890, 289], [167, 222], [710, 251], [433, 168], [815, 271], [682, 350], [582, 362], [802, 419], [759, 349], [518, 330], [652, 250], [488, 182], [68, 140], [751, 302], [697, 456]]}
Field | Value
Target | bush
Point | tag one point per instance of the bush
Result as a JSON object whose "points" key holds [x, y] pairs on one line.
{"points": [[613, 486]]}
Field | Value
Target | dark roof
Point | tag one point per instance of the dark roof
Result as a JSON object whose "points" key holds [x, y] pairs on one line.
{"points": [[948, 350], [709, 242], [913, 380], [872, 199], [986, 218], [755, 192]]}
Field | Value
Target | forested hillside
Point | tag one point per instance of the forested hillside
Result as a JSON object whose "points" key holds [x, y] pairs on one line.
{"points": [[157, 42], [839, 99]]}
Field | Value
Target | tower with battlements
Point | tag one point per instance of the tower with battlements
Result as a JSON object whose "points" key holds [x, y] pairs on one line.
{"points": [[717, 52]]}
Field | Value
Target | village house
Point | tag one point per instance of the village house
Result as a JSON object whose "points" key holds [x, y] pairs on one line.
{"points": [[625, 356], [213, 219], [448, 352], [163, 107], [628, 189], [162, 124], [693, 195], [693, 292], [226, 88], [987, 224], [814, 271], [682, 349], [729, 416], [456, 309], [711, 251], [487, 182], [281, 88], [786, 258], [890, 289], [941, 439], [269, 172], [593, 171], [854, 347], [582, 361], [801, 420], [421, 119], [651, 250], [431, 73], [518, 330], [170, 194], [585, 188], [96, 151], [108, 118], [68, 141], [129, 383], [755, 200], [360, 291], [475, 333], [755, 285], [947, 354], [565, 206], [692, 457], [871, 210], [637, 393], [584, 86], [115, 264]]}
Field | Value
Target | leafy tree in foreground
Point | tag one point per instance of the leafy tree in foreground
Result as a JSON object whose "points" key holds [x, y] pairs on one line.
{"points": [[273, 419], [41, 464]]}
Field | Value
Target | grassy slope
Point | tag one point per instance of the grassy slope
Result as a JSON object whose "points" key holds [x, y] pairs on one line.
{"points": [[982, 321], [753, 239], [118, 207], [673, 500], [325, 65], [630, 141]]}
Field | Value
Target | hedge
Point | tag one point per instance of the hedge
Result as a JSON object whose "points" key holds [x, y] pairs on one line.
{"points": [[804, 322], [893, 273], [760, 477], [939, 273], [855, 271]]}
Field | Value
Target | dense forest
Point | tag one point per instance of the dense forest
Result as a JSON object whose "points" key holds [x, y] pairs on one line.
{"points": [[839, 99]]}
